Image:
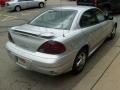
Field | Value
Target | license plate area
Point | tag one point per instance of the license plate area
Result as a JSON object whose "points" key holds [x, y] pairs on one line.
{"points": [[21, 61]]}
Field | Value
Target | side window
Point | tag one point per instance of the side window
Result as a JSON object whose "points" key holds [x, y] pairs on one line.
{"points": [[88, 19], [100, 16]]}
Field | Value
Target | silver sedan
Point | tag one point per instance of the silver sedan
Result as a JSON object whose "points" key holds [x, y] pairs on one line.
{"points": [[60, 40], [17, 5]]}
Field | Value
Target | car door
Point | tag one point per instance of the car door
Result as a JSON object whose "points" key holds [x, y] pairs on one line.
{"points": [[32, 3], [90, 24], [106, 24], [23, 3]]}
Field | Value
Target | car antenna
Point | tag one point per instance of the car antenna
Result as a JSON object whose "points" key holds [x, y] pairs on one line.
{"points": [[61, 17], [63, 31]]}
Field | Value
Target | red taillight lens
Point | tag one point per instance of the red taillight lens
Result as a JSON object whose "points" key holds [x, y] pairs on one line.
{"points": [[52, 47], [10, 38]]}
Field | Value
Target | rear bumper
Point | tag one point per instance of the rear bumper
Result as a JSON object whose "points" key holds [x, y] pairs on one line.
{"points": [[43, 63], [10, 7]]}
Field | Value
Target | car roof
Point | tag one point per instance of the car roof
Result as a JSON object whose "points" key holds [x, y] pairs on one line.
{"points": [[78, 8]]}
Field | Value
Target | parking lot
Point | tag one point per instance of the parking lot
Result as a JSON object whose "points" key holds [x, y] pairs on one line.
{"points": [[12, 77]]}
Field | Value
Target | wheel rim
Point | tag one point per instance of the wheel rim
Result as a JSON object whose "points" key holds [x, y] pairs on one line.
{"points": [[81, 61], [113, 32], [17, 8], [41, 5]]}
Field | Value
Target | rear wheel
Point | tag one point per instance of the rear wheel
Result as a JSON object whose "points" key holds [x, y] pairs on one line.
{"points": [[113, 33], [79, 62], [41, 5], [17, 8]]}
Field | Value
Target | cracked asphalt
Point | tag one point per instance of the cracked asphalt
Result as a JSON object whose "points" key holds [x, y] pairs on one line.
{"points": [[13, 77]]}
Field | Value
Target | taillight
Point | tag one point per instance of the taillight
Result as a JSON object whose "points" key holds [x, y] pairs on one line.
{"points": [[52, 47], [10, 38]]}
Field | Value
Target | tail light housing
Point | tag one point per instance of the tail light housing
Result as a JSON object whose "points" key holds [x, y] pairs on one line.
{"points": [[10, 38], [52, 47]]}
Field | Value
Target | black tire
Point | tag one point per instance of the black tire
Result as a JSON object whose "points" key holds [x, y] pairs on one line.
{"points": [[41, 5], [80, 61], [17, 8], [113, 33]]}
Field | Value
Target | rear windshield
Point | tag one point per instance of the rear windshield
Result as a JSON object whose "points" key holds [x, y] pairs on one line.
{"points": [[57, 19]]}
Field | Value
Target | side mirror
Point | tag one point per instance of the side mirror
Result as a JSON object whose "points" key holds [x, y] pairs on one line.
{"points": [[109, 17]]}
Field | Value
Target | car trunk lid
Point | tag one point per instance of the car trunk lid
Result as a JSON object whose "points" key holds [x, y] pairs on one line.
{"points": [[32, 37]]}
